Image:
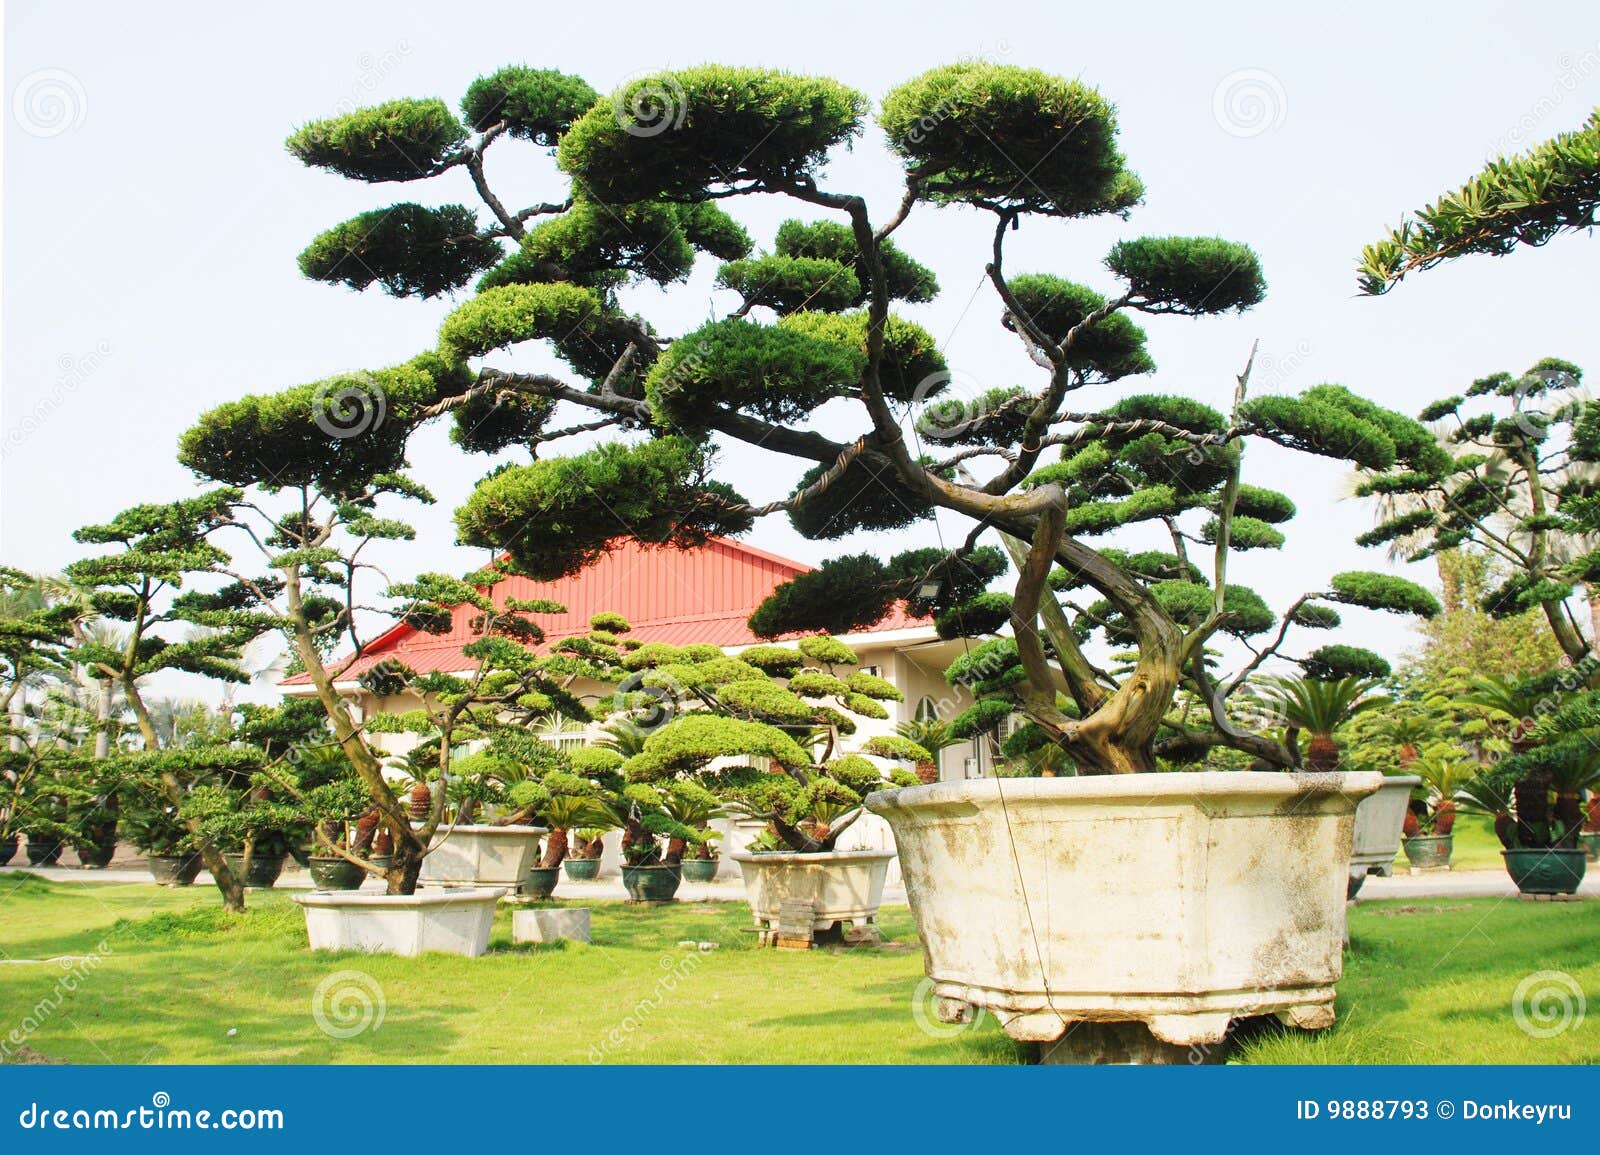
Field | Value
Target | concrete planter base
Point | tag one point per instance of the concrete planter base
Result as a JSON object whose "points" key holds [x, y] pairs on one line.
{"points": [[1180, 901], [842, 886], [570, 922], [453, 922], [481, 855]]}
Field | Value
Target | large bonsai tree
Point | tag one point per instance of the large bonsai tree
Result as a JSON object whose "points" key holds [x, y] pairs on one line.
{"points": [[814, 321]]}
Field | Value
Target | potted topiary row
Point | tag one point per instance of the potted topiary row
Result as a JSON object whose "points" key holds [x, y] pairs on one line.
{"points": [[1431, 816]]}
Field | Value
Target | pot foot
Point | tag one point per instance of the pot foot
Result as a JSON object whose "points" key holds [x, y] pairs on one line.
{"points": [[1127, 1043]]}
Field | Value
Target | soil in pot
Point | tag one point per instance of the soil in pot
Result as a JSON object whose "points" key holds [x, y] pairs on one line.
{"points": [[582, 869], [263, 871], [1429, 851], [1545, 871], [334, 873], [44, 851], [174, 869], [651, 883], [541, 882], [8, 848], [700, 869]]}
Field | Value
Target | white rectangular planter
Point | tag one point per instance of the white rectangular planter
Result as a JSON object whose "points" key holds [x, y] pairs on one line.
{"points": [[454, 921], [842, 885], [481, 855], [1178, 900], [1379, 821]]}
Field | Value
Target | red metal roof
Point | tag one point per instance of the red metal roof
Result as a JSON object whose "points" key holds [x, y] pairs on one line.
{"points": [[669, 595]]}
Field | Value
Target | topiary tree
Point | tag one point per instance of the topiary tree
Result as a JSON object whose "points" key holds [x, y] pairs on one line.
{"points": [[784, 706], [1520, 200], [818, 320], [1518, 486]]}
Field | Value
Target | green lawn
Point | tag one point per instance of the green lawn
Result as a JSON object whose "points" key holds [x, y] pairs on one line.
{"points": [[1427, 982]]}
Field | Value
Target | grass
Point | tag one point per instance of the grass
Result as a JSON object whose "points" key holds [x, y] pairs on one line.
{"points": [[1426, 982]]}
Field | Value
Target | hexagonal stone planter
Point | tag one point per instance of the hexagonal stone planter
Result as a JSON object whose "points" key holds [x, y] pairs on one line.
{"points": [[481, 855], [841, 886], [1376, 839], [455, 921], [1179, 901]]}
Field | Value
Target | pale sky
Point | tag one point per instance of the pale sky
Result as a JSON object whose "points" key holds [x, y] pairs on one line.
{"points": [[152, 217]]}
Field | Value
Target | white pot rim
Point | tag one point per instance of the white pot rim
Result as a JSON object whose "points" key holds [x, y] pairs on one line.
{"points": [[1174, 786], [821, 857], [348, 898]]}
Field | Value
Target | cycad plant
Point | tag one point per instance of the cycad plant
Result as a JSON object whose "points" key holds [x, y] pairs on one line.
{"points": [[933, 735], [1320, 708], [1444, 773]]}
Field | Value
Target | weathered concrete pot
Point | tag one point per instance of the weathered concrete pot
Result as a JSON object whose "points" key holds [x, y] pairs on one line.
{"points": [[481, 855], [455, 921], [842, 885], [1379, 820], [1182, 901]]}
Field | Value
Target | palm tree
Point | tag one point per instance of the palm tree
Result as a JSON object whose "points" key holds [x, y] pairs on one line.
{"points": [[1407, 731], [1444, 775], [1320, 708]]}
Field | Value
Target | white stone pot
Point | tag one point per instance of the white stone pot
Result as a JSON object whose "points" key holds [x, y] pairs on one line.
{"points": [[452, 921], [1379, 820], [481, 855], [1182, 901], [841, 885]]}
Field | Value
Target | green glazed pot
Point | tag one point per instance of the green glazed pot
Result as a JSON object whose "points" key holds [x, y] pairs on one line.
{"points": [[582, 869], [700, 869], [1545, 871], [263, 871], [7, 849], [541, 882], [334, 873], [1429, 850], [43, 851], [174, 869], [651, 883]]}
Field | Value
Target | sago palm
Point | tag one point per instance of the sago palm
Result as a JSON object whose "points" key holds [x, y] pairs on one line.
{"points": [[1320, 708]]}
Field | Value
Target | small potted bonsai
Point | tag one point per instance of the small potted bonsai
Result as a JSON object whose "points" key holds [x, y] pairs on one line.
{"points": [[787, 707], [153, 826], [550, 795], [1535, 800], [653, 842], [1431, 816]]}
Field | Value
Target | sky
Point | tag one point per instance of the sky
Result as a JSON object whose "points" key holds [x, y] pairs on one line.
{"points": [[152, 218]]}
